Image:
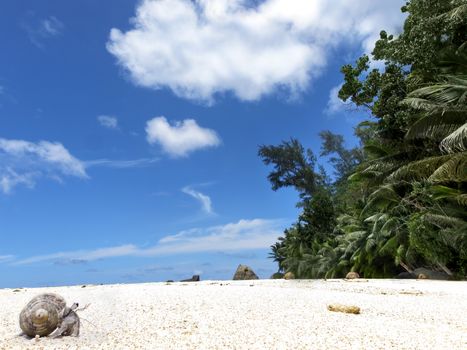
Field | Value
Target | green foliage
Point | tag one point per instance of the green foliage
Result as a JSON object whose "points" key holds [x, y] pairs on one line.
{"points": [[293, 167], [399, 201]]}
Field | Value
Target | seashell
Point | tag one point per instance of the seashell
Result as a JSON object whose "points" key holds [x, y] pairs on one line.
{"points": [[41, 315]]}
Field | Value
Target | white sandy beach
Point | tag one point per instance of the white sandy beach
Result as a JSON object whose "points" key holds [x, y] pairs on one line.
{"points": [[264, 314]]}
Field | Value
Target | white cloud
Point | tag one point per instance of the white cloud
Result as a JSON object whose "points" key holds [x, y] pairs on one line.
{"points": [[335, 104], [6, 258], [23, 162], [199, 48], [108, 121], [182, 138], [205, 200], [101, 253], [51, 26], [40, 30], [240, 236], [9, 179], [121, 164]]}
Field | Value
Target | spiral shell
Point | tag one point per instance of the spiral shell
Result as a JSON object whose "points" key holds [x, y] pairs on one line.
{"points": [[41, 315]]}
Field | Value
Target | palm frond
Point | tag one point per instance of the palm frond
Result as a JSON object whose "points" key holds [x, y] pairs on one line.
{"points": [[454, 170], [439, 94], [456, 141], [376, 150], [418, 170], [437, 124], [381, 199], [444, 221], [440, 192], [419, 103]]}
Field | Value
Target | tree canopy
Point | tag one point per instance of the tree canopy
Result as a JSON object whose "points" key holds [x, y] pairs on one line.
{"points": [[399, 201]]}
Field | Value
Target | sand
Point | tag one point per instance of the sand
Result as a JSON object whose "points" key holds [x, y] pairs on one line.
{"points": [[263, 314]]}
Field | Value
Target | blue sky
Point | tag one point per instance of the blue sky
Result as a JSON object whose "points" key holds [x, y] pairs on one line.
{"points": [[129, 130]]}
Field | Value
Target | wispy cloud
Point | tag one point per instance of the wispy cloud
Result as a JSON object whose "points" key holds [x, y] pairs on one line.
{"points": [[6, 258], [40, 30], [121, 164], [242, 236], [248, 48], [108, 121], [51, 26], [206, 204], [23, 163], [82, 255], [182, 138], [335, 104]]}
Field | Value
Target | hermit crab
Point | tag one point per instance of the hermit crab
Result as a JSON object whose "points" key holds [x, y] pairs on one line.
{"points": [[48, 315]]}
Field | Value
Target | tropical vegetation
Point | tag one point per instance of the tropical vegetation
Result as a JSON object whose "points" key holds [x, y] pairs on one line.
{"points": [[398, 201]]}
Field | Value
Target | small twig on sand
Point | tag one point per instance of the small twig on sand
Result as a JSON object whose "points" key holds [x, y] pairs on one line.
{"points": [[92, 324]]}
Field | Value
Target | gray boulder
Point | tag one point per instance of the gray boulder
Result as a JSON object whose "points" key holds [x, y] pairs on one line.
{"points": [[195, 278], [431, 275], [244, 273], [406, 275]]}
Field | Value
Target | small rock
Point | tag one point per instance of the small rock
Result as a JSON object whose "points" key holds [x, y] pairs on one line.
{"points": [[244, 273], [422, 276], [289, 276]]}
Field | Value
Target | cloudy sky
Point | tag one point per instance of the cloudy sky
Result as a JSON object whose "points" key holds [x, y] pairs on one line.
{"points": [[129, 130]]}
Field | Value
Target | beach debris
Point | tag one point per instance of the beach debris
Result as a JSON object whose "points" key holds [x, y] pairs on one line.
{"points": [[289, 276], [195, 278], [411, 292], [46, 314], [244, 273], [348, 309], [352, 275]]}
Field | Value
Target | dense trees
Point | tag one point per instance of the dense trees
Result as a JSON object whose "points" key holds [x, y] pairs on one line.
{"points": [[400, 200]]}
